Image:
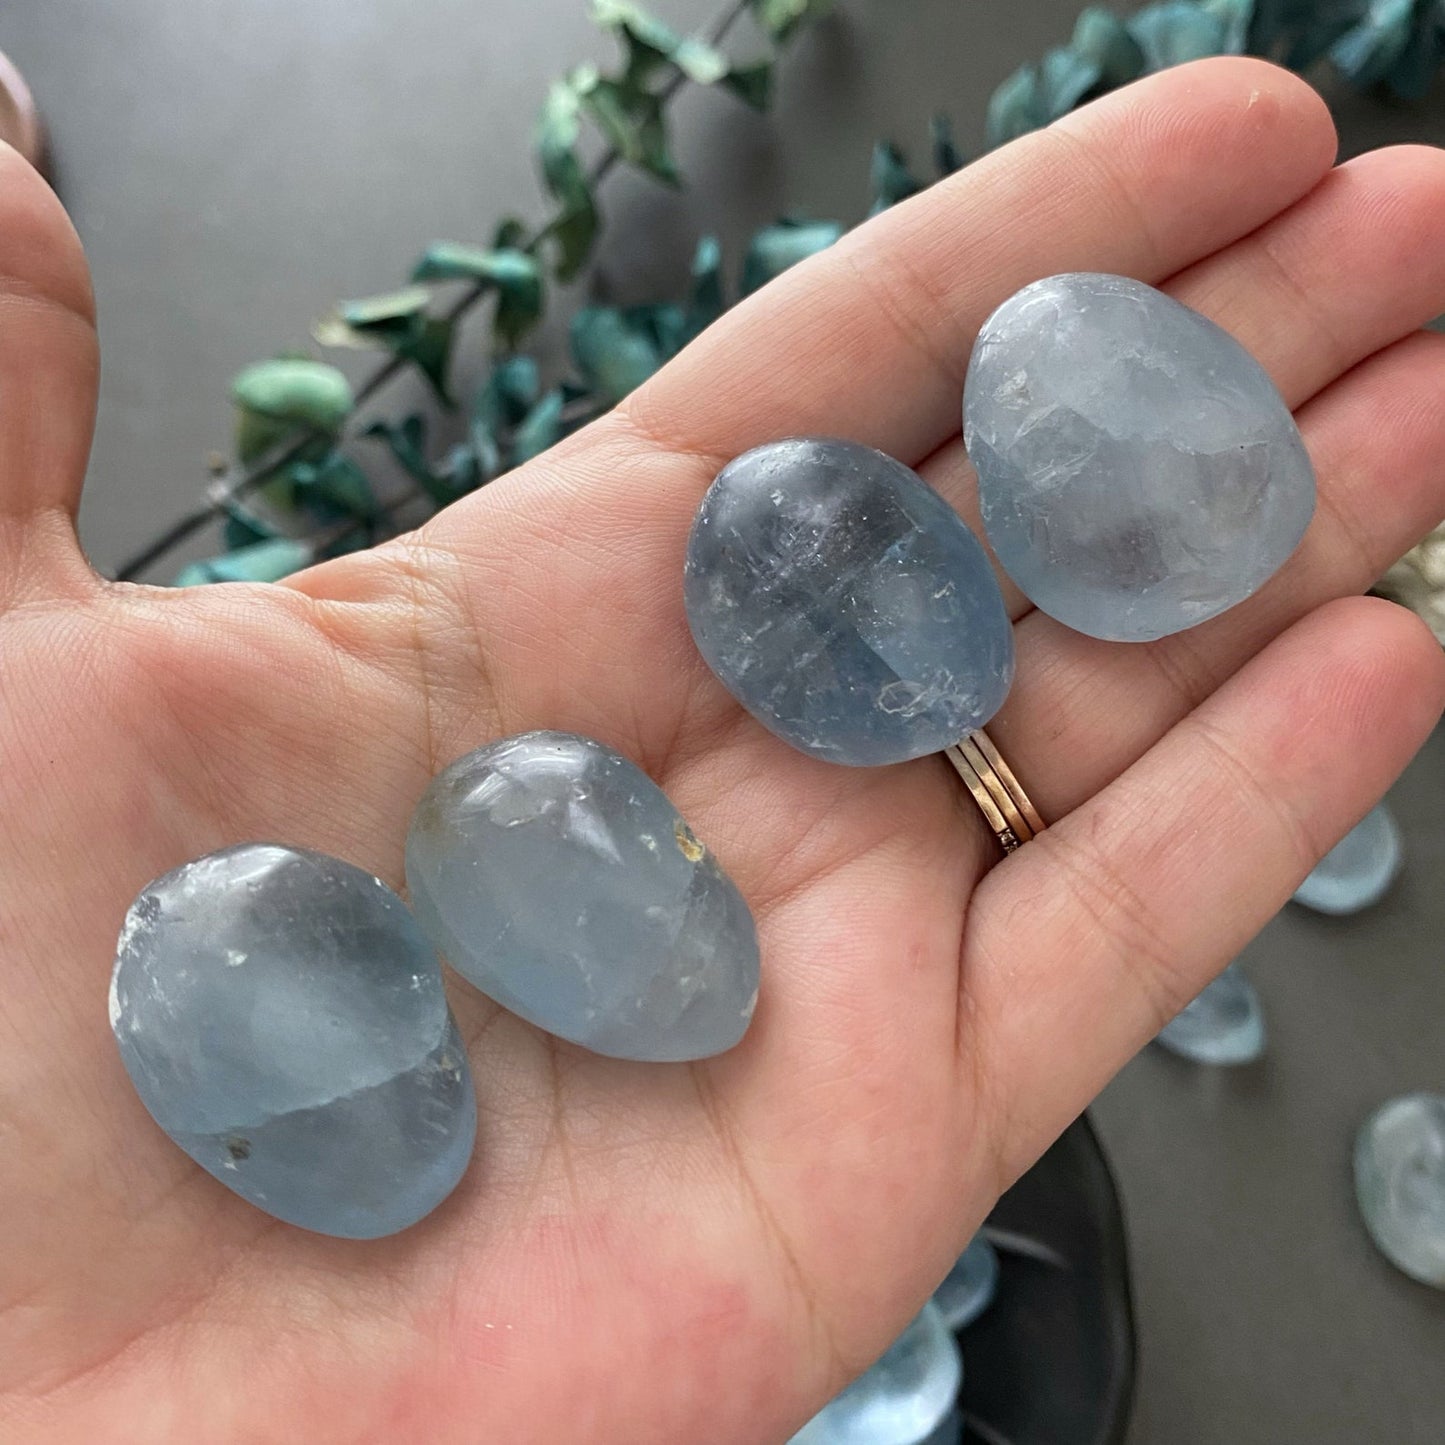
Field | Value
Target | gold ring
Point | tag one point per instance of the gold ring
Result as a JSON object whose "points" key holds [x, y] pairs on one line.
{"points": [[996, 790]]}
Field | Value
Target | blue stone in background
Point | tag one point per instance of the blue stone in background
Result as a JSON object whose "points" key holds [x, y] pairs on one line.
{"points": [[282, 1017], [1138, 473], [843, 602], [1358, 870], [1223, 1025], [1400, 1184], [907, 1398], [970, 1286], [557, 877]]}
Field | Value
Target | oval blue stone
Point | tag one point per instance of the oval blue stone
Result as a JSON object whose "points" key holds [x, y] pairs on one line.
{"points": [[844, 603], [557, 877], [282, 1017]]}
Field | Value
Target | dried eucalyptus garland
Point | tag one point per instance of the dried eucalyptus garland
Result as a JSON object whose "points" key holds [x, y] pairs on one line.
{"points": [[301, 486]]}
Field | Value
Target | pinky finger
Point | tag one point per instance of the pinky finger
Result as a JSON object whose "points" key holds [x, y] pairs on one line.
{"points": [[1100, 930]]}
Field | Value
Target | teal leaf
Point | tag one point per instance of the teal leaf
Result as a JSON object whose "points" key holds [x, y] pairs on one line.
{"points": [[573, 229], [539, 429], [1100, 36], [406, 440], [243, 528], [396, 322], [277, 399], [1065, 79], [1175, 32], [707, 300], [335, 487], [946, 157], [1016, 107], [775, 248], [892, 181], [633, 123], [752, 84], [267, 561], [1237, 18], [782, 18], [1368, 53], [513, 275], [511, 235], [650, 43], [499, 406], [614, 352]]}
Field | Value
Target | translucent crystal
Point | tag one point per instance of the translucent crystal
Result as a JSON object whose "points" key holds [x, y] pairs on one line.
{"points": [[969, 1287], [1138, 472], [282, 1017], [558, 878], [1400, 1184], [1358, 870], [1223, 1025], [907, 1398], [844, 603]]}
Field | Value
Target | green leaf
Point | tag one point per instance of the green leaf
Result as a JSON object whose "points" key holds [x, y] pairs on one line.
{"points": [[1367, 54], [1016, 107], [574, 228], [615, 351], [650, 44], [1176, 32], [374, 321], [633, 123], [1237, 18], [267, 561], [1100, 36], [781, 18], [277, 399], [707, 300], [539, 429], [775, 248], [752, 84], [511, 234], [499, 406], [335, 487], [406, 441], [243, 528], [1065, 79], [892, 181], [946, 157], [513, 275]]}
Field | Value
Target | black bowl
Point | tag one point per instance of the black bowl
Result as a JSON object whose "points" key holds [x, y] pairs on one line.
{"points": [[1051, 1362]]}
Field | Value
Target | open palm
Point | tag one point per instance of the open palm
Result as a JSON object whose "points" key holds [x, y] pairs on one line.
{"points": [[662, 1255]]}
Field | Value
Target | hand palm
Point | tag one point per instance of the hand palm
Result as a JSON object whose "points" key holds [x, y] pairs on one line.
{"points": [[667, 1254]]}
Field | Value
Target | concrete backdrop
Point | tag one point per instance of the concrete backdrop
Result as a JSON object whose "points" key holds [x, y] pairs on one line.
{"points": [[234, 169]]}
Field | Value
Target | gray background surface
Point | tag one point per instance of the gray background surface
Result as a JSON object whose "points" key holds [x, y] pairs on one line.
{"points": [[235, 168]]}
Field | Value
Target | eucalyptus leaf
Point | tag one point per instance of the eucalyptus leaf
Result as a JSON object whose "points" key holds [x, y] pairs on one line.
{"points": [[539, 429], [374, 321], [752, 84], [781, 18], [707, 300], [277, 399], [267, 561], [406, 440], [1065, 79], [512, 274], [1237, 18], [574, 228], [1016, 107], [614, 353], [1175, 32], [1100, 36], [633, 124], [651, 43], [335, 487], [891, 179], [1367, 54], [242, 528], [511, 234], [946, 157], [775, 248]]}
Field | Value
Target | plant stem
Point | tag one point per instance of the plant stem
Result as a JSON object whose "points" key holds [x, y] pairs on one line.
{"points": [[238, 480]]}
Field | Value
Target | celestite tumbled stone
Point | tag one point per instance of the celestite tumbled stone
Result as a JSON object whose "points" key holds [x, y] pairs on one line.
{"points": [[1138, 472], [1400, 1184], [282, 1017], [1223, 1025], [907, 1398], [1358, 871], [968, 1289], [557, 877], [843, 602]]}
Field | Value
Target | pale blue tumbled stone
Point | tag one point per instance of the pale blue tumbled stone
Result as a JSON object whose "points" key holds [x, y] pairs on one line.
{"points": [[1400, 1184], [843, 602], [907, 1398], [557, 877], [282, 1017], [1224, 1024], [968, 1289], [1358, 870], [1138, 472]]}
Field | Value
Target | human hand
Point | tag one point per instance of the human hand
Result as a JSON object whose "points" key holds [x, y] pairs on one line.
{"points": [[663, 1255]]}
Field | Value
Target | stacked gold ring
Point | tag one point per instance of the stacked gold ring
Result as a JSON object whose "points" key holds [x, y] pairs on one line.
{"points": [[996, 790]]}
